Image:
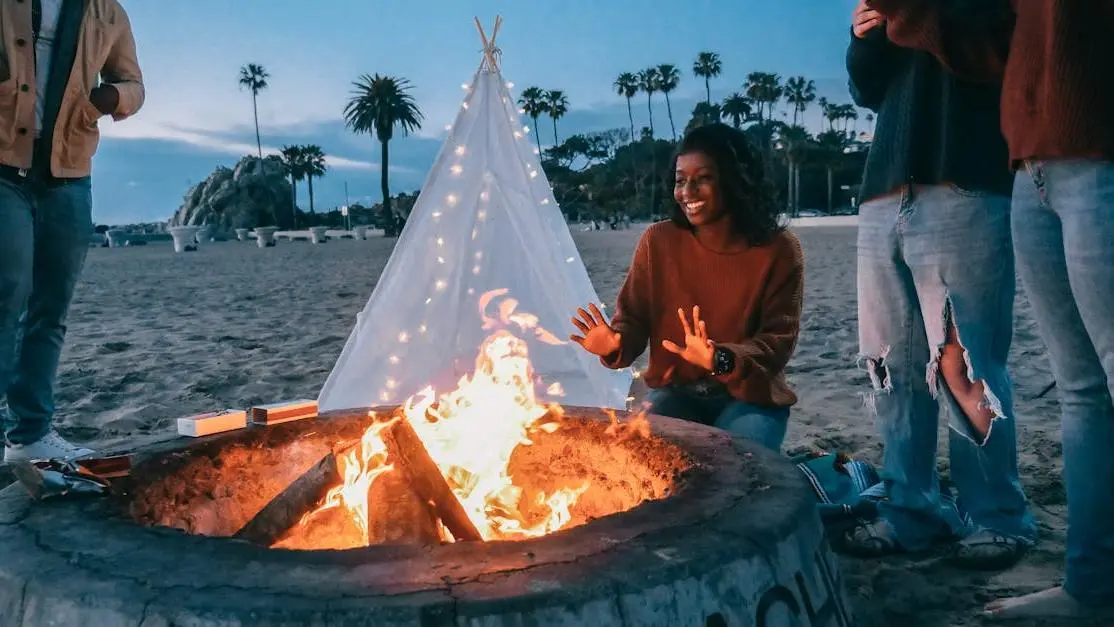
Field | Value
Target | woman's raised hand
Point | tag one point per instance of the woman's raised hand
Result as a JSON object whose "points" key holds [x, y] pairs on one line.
{"points": [[597, 336]]}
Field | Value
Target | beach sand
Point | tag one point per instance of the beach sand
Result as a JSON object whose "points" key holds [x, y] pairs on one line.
{"points": [[155, 335]]}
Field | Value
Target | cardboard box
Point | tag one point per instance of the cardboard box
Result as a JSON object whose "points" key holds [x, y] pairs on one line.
{"points": [[276, 413], [212, 422]]}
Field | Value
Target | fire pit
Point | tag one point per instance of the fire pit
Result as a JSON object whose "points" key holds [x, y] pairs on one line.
{"points": [[479, 506], [725, 534]]}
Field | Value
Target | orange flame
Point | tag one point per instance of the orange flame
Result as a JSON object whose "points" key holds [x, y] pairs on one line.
{"points": [[471, 433]]}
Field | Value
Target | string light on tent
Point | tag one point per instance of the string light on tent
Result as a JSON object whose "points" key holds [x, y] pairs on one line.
{"points": [[394, 359], [545, 201], [403, 337], [517, 135], [456, 169], [440, 285], [510, 85], [421, 328], [451, 200], [391, 383], [460, 150], [436, 214], [464, 105], [448, 127]]}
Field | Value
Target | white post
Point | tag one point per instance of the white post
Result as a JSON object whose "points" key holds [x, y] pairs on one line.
{"points": [[317, 234], [242, 234], [115, 237], [265, 236], [185, 238]]}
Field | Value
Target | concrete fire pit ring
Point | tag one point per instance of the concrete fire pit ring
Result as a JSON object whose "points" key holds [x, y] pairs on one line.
{"points": [[739, 544]]}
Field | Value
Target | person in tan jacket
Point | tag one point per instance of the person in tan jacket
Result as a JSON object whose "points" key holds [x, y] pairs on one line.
{"points": [[64, 64]]}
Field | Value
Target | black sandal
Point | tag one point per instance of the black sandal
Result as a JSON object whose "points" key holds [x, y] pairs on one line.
{"points": [[988, 550]]}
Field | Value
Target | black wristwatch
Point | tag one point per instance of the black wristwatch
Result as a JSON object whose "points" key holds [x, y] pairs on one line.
{"points": [[723, 361]]}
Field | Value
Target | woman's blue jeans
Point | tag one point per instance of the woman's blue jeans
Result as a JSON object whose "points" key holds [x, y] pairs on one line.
{"points": [[714, 406]]}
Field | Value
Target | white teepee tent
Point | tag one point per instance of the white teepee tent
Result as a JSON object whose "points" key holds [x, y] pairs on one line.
{"points": [[485, 220]]}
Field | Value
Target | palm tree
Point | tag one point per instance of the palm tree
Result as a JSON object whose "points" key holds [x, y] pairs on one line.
{"points": [[799, 92], [737, 108], [378, 104], [254, 77], [314, 165], [668, 79], [532, 102], [831, 144], [627, 86], [556, 105], [764, 88], [707, 66], [294, 160], [795, 141], [648, 82], [827, 112]]}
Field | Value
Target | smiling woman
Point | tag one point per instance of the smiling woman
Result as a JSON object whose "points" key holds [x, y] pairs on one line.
{"points": [[724, 257]]}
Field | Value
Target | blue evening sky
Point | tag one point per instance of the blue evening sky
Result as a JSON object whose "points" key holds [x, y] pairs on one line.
{"points": [[196, 117]]}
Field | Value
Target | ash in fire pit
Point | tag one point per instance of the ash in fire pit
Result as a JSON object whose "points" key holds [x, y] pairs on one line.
{"points": [[601, 465]]}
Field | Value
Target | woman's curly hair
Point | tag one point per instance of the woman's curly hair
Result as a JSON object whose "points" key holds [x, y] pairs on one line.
{"points": [[745, 191]]}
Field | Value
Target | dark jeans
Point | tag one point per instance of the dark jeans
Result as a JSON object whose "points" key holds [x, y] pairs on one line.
{"points": [[44, 237], [1063, 233], [765, 425]]}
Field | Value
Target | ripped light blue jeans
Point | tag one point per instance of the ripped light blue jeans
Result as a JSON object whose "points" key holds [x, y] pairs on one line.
{"points": [[1063, 230], [714, 406], [930, 257]]}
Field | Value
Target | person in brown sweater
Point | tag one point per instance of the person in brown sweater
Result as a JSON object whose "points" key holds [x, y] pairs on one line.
{"points": [[1054, 60], [725, 258]]}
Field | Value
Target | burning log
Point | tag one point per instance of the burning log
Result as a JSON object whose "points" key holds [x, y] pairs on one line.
{"points": [[285, 510], [410, 455], [397, 515]]}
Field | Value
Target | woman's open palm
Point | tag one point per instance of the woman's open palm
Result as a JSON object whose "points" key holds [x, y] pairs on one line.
{"points": [[597, 336], [698, 349]]}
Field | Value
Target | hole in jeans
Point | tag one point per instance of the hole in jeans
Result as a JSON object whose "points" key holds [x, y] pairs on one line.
{"points": [[952, 362]]}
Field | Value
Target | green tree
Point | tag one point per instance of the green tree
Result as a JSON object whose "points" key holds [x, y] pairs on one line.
{"points": [[533, 104], [556, 105], [668, 79], [377, 105], [254, 77], [314, 166], [799, 92], [627, 87], [648, 82], [707, 66], [293, 158], [737, 108], [765, 90]]}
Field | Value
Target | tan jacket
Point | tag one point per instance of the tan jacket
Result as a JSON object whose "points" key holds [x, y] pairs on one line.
{"points": [[105, 49]]}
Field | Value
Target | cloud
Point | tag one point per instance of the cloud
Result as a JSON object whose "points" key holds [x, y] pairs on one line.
{"points": [[215, 143]]}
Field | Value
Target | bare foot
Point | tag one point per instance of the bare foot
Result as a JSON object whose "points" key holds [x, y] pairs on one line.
{"points": [[1050, 603]]}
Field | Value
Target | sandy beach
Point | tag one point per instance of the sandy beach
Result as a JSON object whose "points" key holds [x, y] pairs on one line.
{"points": [[155, 335]]}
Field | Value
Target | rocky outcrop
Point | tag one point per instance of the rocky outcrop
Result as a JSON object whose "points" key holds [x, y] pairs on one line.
{"points": [[256, 192]]}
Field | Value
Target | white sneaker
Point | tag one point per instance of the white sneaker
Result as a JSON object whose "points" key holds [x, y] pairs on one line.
{"points": [[51, 446]]}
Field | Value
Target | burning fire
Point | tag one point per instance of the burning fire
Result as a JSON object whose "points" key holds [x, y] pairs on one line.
{"points": [[471, 432]]}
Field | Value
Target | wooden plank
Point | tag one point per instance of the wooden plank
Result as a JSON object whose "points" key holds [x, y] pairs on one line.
{"points": [[284, 511], [409, 455]]}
